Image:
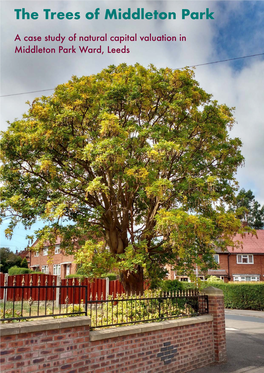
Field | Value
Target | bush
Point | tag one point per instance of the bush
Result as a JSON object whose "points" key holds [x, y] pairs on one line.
{"points": [[8, 314], [24, 263], [82, 277], [213, 279], [111, 276], [243, 296], [81, 272], [188, 285], [237, 295], [171, 285], [18, 271]]}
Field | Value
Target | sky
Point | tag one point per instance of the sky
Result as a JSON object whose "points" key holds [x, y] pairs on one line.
{"points": [[233, 29]]}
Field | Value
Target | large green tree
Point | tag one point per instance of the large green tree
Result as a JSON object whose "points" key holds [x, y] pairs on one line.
{"points": [[252, 213], [8, 259], [140, 163]]}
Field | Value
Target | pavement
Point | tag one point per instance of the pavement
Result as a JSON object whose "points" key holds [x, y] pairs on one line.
{"points": [[245, 344]]}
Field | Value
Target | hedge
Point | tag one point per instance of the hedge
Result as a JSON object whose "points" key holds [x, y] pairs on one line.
{"points": [[18, 271], [238, 295], [170, 285], [243, 296], [76, 276]]}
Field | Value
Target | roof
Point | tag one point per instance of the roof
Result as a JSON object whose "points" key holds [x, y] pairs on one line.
{"points": [[217, 272], [250, 244]]}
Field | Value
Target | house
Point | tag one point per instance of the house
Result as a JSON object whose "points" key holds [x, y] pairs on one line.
{"points": [[243, 263], [24, 254], [60, 264]]}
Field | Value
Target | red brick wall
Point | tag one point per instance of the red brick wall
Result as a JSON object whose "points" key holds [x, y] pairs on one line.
{"points": [[217, 310], [257, 268], [70, 350], [56, 259], [68, 345]]}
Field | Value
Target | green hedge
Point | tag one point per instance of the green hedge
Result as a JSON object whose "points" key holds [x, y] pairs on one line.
{"points": [[82, 277], [243, 296], [111, 276], [18, 271], [237, 295], [170, 285]]}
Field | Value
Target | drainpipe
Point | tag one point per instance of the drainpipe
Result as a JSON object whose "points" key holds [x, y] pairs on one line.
{"points": [[228, 273]]}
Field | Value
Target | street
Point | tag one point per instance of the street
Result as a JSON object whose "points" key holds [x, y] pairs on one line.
{"points": [[245, 344]]}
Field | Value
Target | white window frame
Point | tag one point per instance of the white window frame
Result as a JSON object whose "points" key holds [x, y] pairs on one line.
{"points": [[36, 254], [246, 278], [183, 278], [218, 258], [68, 269], [56, 269], [248, 257], [45, 269], [57, 249], [45, 251]]}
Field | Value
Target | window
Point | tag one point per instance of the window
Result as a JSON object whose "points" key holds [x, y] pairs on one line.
{"points": [[45, 251], [68, 269], [245, 259], [57, 249], [241, 278], [57, 269], [45, 269], [186, 279], [216, 258], [36, 254]]}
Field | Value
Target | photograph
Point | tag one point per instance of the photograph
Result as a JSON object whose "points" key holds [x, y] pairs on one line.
{"points": [[131, 179]]}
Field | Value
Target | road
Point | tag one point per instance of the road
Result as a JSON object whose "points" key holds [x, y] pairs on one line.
{"points": [[245, 344]]}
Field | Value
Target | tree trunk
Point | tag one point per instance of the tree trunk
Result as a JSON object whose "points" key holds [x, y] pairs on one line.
{"points": [[133, 282]]}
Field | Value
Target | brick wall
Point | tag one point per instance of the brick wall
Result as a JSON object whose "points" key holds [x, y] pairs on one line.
{"points": [[42, 260], [217, 310], [68, 345], [250, 269]]}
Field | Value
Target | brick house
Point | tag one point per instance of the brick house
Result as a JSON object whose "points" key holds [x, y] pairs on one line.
{"points": [[24, 254], [245, 263], [61, 263]]}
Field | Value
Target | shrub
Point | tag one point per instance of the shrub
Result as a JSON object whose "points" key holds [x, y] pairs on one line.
{"points": [[133, 309], [82, 277], [171, 285], [18, 271], [243, 296], [24, 263], [213, 279], [71, 308], [81, 272], [10, 313], [111, 276]]}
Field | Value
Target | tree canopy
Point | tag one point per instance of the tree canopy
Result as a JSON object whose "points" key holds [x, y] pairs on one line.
{"points": [[132, 167], [9, 259], [252, 213]]}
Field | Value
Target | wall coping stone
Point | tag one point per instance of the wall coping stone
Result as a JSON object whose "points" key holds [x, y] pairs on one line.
{"points": [[99, 335], [213, 292], [43, 325]]}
